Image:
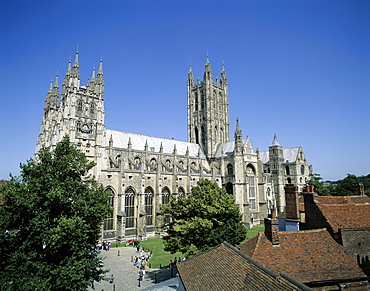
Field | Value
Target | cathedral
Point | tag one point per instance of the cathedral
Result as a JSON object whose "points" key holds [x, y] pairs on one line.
{"points": [[141, 172]]}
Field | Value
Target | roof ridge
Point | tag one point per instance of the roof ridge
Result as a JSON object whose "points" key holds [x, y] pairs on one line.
{"points": [[140, 134], [304, 231]]}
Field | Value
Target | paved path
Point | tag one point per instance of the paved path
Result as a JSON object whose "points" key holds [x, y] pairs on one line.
{"points": [[119, 262]]}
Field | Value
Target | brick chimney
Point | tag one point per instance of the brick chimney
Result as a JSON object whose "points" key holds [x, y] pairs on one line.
{"points": [[358, 189], [292, 202], [272, 228]]}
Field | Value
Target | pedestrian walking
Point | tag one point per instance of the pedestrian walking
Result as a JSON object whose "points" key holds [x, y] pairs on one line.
{"points": [[111, 279]]}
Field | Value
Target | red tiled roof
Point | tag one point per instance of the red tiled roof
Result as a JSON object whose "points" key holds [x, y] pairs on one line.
{"points": [[343, 199], [3, 182], [346, 215], [226, 268], [309, 256]]}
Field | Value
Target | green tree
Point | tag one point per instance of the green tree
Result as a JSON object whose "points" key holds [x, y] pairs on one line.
{"points": [[55, 211], [207, 217], [345, 187], [320, 189]]}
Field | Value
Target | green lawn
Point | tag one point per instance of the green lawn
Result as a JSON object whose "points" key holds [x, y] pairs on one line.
{"points": [[160, 258], [253, 231]]}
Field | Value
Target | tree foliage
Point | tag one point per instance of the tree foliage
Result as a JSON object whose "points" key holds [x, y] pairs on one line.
{"points": [[207, 217], [342, 187], [345, 187], [54, 212], [320, 189]]}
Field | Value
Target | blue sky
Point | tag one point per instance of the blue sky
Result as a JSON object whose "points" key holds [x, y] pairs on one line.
{"points": [[300, 69]]}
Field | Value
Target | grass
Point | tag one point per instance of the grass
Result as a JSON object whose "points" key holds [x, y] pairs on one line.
{"points": [[253, 231], [160, 258]]}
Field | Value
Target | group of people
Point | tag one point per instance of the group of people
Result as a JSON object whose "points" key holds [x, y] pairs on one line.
{"points": [[105, 245]]}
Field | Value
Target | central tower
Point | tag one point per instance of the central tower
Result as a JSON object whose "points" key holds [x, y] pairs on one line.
{"points": [[208, 110]]}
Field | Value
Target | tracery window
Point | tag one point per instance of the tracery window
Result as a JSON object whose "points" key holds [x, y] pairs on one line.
{"points": [[181, 192], [251, 186], [130, 207], [165, 201], [108, 221], [148, 202]]}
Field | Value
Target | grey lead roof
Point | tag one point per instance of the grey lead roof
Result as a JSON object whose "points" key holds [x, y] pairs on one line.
{"points": [[138, 141], [290, 155], [227, 149]]}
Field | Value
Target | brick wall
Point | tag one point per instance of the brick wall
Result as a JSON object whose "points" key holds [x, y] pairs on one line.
{"points": [[292, 203], [356, 242], [314, 217]]}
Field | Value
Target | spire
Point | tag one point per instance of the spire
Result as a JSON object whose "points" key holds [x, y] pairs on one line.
{"points": [[56, 83], [207, 71], [223, 79], [146, 146], [190, 76], [238, 133], [75, 64], [275, 141], [100, 71], [238, 138], [93, 73], [129, 144]]}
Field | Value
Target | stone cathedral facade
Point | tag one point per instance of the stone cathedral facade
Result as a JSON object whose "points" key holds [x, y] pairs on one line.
{"points": [[141, 172]]}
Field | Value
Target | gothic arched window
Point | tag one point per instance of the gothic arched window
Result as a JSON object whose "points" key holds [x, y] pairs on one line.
{"points": [[251, 186], [165, 201], [302, 169], [165, 196], [130, 207], [108, 222], [196, 102], [230, 170], [181, 192], [202, 100], [148, 203], [287, 170]]}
